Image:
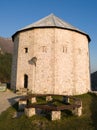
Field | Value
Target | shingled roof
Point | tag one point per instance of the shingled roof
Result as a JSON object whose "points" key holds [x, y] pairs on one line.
{"points": [[51, 21]]}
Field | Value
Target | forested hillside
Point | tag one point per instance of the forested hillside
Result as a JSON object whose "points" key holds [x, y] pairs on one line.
{"points": [[5, 67], [6, 45], [6, 50]]}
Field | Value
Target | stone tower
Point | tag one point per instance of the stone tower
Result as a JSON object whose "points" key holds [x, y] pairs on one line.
{"points": [[51, 57]]}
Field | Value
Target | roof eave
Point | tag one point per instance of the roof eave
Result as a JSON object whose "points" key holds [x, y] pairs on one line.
{"points": [[51, 27]]}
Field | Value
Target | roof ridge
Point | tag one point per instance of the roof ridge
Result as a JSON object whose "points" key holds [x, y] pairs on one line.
{"points": [[53, 19]]}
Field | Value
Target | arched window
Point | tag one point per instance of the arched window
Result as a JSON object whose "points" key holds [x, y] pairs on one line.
{"points": [[25, 81]]}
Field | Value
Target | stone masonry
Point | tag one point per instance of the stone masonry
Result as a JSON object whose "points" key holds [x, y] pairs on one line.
{"points": [[51, 60]]}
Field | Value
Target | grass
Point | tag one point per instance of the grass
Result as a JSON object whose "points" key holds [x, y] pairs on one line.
{"points": [[88, 121]]}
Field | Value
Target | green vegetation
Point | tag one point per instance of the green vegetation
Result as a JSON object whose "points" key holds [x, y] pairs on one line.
{"points": [[88, 121], [5, 67]]}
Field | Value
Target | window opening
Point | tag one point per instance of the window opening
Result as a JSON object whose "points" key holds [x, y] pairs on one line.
{"points": [[64, 49], [26, 50], [25, 81]]}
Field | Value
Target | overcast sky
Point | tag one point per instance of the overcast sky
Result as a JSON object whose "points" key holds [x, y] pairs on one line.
{"points": [[16, 14]]}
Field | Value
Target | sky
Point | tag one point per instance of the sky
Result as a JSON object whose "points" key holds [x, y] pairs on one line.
{"points": [[16, 14]]}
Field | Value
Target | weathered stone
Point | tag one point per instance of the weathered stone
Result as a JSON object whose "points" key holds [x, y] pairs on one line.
{"points": [[29, 112], [61, 61], [55, 115], [49, 98], [77, 111], [33, 100]]}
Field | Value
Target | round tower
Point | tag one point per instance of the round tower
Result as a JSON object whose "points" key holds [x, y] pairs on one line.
{"points": [[51, 57]]}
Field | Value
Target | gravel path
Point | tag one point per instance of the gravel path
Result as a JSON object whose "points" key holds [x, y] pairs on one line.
{"points": [[7, 99]]}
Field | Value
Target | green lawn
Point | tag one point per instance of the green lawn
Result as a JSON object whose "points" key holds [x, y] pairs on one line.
{"points": [[88, 121]]}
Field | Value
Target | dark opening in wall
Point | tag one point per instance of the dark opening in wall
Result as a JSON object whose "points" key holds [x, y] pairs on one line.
{"points": [[26, 50], [25, 81]]}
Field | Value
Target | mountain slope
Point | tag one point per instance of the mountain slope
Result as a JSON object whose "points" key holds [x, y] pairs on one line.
{"points": [[6, 45]]}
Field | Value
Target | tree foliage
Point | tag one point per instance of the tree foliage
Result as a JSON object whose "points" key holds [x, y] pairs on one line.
{"points": [[5, 67]]}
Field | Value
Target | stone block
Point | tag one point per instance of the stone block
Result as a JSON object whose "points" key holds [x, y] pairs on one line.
{"points": [[49, 98], [77, 111], [30, 112], [33, 100], [55, 115]]}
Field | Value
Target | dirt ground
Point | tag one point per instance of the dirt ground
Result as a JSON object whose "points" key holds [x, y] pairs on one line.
{"points": [[7, 99]]}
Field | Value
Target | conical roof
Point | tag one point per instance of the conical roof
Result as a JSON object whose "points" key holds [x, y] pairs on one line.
{"points": [[52, 21]]}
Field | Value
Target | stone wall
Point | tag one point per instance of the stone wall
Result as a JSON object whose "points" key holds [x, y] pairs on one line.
{"points": [[62, 65], [14, 64]]}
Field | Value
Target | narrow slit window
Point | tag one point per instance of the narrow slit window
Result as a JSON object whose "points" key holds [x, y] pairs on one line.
{"points": [[64, 49], [26, 50], [25, 81]]}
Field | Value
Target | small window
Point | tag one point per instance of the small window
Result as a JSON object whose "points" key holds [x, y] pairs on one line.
{"points": [[44, 49], [26, 50], [64, 49]]}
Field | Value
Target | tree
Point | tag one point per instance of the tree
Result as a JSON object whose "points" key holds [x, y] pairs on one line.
{"points": [[5, 67]]}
